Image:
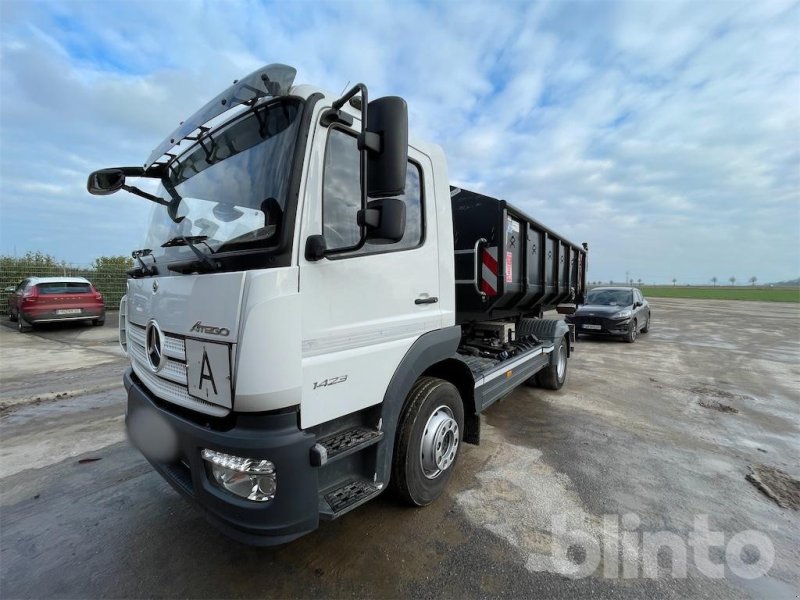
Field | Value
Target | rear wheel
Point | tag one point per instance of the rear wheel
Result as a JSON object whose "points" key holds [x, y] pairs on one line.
{"points": [[428, 442], [11, 316], [23, 325], [553, 376], [99, 322], [646, 327], [630, 337]]}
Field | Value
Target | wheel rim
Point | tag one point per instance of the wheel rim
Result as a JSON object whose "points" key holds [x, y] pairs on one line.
{"points": [[439, 442], [561, 366], [633, 330]]}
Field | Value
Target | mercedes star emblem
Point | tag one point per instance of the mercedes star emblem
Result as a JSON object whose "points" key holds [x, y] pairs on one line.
{"points": [[154, 343]]}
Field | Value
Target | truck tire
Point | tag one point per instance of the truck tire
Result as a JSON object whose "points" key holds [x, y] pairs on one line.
{"points": [[553, 376], [428, 442]]}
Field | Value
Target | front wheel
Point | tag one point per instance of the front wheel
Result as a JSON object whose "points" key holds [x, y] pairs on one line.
{"points": [[630, 337], [22, 325], [553, 376], [428, 442], [11, 316]]}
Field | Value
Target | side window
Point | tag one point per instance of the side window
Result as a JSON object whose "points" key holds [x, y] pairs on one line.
{"points": [[341, 191], [341, 198]]}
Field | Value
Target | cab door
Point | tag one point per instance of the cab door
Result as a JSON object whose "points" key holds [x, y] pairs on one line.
{"points": [[362, 308]]}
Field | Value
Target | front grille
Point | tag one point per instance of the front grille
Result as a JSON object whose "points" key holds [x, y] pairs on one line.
{"points": [[174, 347], [170, 382]]}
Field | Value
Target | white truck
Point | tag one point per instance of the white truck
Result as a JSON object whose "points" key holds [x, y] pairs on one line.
{"points": [[317, 314]]}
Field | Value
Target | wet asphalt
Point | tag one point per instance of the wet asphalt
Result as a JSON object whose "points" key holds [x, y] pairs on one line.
{"points": [[638, 435]]}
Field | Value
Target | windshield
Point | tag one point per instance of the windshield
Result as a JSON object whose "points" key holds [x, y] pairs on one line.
{"points": [[610, 297], [232, 186]]}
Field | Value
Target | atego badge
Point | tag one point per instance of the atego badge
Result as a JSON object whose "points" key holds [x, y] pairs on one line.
{"points": [[208, 371]]}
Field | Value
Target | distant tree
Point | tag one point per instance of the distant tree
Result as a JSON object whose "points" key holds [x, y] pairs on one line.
{"points": [[732, 280], [714, 281], [108, 274], [611, 282], [639, 281], [674, 281], [753, 280]]}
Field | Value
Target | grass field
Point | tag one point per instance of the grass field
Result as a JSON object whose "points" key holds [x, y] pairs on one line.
{"points": [[764, 294]]}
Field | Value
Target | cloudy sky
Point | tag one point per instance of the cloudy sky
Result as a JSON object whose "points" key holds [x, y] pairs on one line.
{"points": [[667, 135]]}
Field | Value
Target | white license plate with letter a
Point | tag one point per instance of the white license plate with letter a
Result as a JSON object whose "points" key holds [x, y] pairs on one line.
{"points": [[208, 371]]}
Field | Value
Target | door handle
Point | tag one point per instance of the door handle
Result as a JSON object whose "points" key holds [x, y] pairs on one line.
{"points": [[431, 300]]}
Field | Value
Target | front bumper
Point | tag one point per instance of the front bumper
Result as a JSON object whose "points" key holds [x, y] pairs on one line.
{"points": [[292, 513], [607, 326]]}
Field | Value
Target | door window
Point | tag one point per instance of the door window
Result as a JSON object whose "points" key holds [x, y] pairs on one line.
{"points": [[341, 199]]}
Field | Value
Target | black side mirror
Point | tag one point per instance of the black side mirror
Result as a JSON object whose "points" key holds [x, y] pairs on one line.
{"points": [[105, 181], [384, 219], [637, 304], [315, 247], [386, 140]]}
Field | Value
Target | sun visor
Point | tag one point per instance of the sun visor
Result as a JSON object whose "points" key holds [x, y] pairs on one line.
{"points": [[271, 80]]}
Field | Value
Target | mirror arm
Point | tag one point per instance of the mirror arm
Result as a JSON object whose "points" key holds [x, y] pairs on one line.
{"points": [[359, 87], [369, 217], [153, 172], [132, 189], [337, 104], [370, 142]]}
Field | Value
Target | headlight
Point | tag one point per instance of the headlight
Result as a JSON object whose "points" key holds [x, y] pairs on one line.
{"points": [[623, 314], [249, 478]]}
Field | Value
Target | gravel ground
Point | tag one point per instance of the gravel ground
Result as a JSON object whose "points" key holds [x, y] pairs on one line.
{"points": [[645, 440]]}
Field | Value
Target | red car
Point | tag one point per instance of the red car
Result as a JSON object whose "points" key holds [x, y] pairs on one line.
{"points": [[48, 299]]}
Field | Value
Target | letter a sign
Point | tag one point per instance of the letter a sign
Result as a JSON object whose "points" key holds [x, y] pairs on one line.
{"points": [[208, 371], [206, 374]]}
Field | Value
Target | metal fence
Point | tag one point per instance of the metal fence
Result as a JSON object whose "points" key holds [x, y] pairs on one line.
{"points": [[109, 277]]}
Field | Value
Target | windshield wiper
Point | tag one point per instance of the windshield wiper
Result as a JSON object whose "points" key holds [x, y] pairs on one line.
{"points": [[190, 240]]}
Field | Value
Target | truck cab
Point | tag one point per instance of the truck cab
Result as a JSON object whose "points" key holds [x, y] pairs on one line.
{"points": [[291, 322]]}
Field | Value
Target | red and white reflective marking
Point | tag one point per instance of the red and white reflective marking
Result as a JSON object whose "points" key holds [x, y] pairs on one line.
{"points": [[489, 273]]}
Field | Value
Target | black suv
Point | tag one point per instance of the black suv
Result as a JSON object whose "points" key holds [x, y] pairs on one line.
{"points": [[620, 311]]}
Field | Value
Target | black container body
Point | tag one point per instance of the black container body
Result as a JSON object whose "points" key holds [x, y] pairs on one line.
{"points": [[508, 264]]}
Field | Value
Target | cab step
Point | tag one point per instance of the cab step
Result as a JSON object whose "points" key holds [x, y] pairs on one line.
{"points": [[343, 444], [348, 496]]}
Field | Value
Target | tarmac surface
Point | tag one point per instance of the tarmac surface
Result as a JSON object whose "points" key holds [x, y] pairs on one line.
{"points": [[650, 439]]}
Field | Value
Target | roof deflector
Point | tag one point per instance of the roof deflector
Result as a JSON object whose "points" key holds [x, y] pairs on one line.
{"points": [[271, 80]]}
